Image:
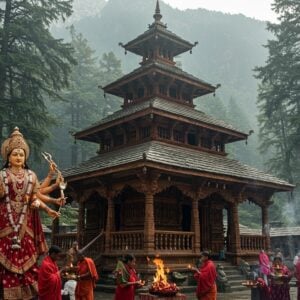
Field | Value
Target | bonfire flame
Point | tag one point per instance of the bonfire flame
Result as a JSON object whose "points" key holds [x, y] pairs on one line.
{"points": [[160, 284]]}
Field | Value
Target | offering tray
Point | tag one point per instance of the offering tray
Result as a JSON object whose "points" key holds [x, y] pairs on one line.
{"points": [[72, 269], [69, 276], [70, 273], [250, 283]]}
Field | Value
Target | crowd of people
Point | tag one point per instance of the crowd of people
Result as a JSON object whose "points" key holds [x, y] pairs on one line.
{"points": [[276, 276], [22, 242]]}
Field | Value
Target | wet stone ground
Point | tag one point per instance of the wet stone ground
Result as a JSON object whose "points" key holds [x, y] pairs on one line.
{"points": [[229, 296]]}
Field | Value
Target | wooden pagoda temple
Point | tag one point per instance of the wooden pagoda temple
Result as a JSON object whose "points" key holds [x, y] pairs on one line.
{"points": [[161, 183]]}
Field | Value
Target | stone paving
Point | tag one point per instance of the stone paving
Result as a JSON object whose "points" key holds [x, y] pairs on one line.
{"points": [[243, 295]]}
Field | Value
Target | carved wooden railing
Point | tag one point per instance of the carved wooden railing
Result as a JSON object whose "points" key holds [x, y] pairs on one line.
{"points": [[64, 240], [127, 240], [253, 242], [174, 240], [131, 240], [97, 247]]}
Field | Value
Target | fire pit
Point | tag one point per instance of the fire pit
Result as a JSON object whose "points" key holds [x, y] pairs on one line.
{"points": [[160, 286]]}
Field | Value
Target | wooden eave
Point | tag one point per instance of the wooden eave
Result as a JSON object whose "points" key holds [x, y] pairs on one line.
{"points": [[137, 166], [170, 170], [118, 87], [151, 36], [91, 133]]}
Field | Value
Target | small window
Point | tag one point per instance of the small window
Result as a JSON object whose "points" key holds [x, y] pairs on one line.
{"points": [[173, 93], [164, 133], [106, 144], [144, 132], [141, 93], [132, 136], [119, 140], [162, 90], [178, 136], [205, 143], [192, 139]]}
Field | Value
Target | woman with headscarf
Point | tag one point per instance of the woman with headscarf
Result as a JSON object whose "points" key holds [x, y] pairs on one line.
{"points": [[280, 276], [127, 279]]}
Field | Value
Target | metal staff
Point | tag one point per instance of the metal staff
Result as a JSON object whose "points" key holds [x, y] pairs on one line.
{"points": [[91, 242], [62, 183]]}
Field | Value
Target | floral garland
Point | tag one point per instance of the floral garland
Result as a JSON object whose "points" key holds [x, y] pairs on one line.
{"points": [[16, 226]]}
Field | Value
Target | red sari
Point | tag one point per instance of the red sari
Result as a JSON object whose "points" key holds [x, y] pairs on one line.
{"points": [[264, 263], [297, 275], [18, 268], [206, 288], [123, 291], [49, 281], [85, 287], [280, 288]]}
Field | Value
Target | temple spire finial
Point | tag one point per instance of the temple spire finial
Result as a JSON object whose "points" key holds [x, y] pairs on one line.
{"points": [[157, 16]]}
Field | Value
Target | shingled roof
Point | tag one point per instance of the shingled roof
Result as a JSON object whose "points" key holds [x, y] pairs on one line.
{"points": [[163, 155], [168, 70], [172, 108], [274, 231]]}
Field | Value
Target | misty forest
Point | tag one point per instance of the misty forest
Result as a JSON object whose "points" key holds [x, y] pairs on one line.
{"points": [[56, 55]]}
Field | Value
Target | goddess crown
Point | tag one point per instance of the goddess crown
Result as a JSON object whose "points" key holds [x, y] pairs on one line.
{"points": [[16, 140]]}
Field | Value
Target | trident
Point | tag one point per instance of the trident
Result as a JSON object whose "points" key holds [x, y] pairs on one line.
{"points": [[62, 184]]}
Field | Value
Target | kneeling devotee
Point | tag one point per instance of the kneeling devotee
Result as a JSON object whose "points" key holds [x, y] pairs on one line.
{"points": [[49, 277]]}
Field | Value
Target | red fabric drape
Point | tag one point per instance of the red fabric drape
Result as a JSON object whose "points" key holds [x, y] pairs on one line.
{"points": [[49, 282], [85, 287], [126, 292], [206, 280], [297, 275]]}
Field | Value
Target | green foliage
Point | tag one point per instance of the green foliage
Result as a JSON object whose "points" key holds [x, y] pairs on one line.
{"points": [[250, 215], [69, 216], [33, 65], [279, 93], [84, 104]]}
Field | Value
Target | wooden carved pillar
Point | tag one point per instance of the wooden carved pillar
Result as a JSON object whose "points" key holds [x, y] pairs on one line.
{"points": [[235, 240], [266, 226], [196, 225], [149, 226], [149, 187], [109, 222], [80, 224]]}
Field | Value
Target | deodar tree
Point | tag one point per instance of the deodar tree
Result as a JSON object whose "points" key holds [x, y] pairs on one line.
{"points": [[279, 93], [33, 64]]}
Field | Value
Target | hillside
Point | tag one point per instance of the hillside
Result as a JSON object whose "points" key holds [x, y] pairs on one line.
{"points": [[230, 46]]}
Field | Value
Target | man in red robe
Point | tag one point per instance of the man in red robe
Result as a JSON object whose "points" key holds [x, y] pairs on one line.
{"points": [[86, 278], [206, 277], [49, 280]]}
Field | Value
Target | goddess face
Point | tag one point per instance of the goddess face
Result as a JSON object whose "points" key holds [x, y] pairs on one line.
{"points": [[17, 158]]}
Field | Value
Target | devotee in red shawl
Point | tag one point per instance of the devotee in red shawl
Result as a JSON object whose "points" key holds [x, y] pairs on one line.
{"points": [[280, 277], [206, 277], [297, 275], [86, 278], [49, 280], [127, 279], [264, 265]]}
